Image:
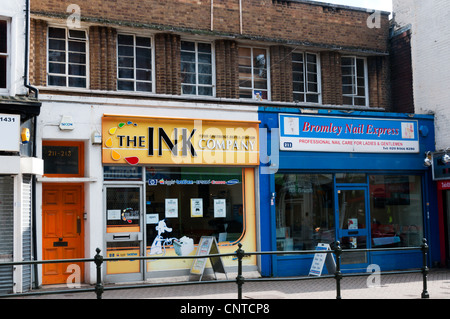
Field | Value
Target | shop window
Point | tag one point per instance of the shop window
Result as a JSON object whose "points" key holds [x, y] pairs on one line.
{"points": [[396, 210], [123, 209], [305, 77], [304, 211], [195, 202], [4, 55], [196, 68], [354, 81], [63, 159], [67, 58], [134, 61], [253, 78]]}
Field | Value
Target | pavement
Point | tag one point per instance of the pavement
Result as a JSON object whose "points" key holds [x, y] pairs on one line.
{"points": [[389, 286]]}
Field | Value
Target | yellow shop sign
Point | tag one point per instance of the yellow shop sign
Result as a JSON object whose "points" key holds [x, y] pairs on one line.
{"points": [[143, 140]]}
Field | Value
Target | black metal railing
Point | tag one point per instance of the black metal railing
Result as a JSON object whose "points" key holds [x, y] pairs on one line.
{"points": [[239, 254]]}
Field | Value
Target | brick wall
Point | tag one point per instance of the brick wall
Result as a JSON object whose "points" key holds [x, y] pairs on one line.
{"points": [[227, 74], [289, 20], [401, 73], [379, 81], [38, 52], [167, 58], [350, 24], [102, 58], [331, 78], [281, 73]]}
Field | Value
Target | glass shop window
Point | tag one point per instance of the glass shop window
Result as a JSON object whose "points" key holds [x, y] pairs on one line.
{"points": [[194, 202], [120, 219], [396, 211], [304, 210]]}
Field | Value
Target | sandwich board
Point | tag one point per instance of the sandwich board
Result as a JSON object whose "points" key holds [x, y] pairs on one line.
{"points": [[320, 259], [207, 246]]}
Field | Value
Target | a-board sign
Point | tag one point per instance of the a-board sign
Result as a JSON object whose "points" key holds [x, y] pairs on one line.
{"points": [[322, 258], [207, 246]]}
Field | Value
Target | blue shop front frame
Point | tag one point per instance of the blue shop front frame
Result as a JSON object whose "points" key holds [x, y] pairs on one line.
{"points": [[275, 160]]}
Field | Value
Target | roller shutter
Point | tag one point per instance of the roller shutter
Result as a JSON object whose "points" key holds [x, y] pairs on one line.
{"points": [[26, 232], [6, 232]]}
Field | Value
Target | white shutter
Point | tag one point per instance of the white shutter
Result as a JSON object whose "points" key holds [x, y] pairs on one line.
{"points": [[6, 232], [26, 232]]}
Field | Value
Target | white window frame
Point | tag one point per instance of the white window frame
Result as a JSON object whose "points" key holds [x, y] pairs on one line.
{"points": [[66, 74], [252, 72], [305, 78], [152, 49], [355, 82], [213, 70], [7, 55]]}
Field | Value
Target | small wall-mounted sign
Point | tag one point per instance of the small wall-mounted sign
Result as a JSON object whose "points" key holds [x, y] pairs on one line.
{"points": [[66, 123], [9, 132]]}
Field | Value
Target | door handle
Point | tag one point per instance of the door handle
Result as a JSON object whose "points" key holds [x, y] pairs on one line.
{"points": [[78, 225]]}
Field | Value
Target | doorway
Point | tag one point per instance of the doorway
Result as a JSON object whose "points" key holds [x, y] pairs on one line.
{"points": [[353, 226], [63, 230], [124, 236]]}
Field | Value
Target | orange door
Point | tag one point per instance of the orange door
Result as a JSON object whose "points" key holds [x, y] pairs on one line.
{"points": [[63, 231]]}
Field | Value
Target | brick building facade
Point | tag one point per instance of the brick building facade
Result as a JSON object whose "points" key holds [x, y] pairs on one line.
{"points": [[151, 61], [281, 27]]}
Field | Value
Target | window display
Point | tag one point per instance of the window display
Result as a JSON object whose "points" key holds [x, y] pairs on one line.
{"points": [[122, 213], [193, 202], [304, 210], [396, 210]]}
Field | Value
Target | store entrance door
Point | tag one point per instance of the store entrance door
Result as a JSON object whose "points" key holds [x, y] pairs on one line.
{"points": [[124, 214], [353, 226], [63, 230]]}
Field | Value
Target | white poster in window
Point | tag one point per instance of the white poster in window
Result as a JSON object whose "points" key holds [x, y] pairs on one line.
{"points": [[220, 208], [114, 214], [152, 219], [196, 207], [353, 223], [171, 207]]}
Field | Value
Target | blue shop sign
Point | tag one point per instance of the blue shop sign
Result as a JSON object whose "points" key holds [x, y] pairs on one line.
{"points": [[347, 134]]}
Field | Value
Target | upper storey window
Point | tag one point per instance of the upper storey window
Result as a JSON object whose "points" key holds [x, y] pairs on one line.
{"points": [[67, 58], [354, 81], [253, 83], [134, 61], [4, 55], [196, 68], [305, 77]]}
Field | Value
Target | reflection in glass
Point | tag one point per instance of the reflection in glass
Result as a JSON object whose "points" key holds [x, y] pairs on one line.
{"points": [[396, 210], [304, 211], [195, 202]]}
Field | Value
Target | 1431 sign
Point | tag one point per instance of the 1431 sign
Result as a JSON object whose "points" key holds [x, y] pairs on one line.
{"points": [[9, 132]]}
